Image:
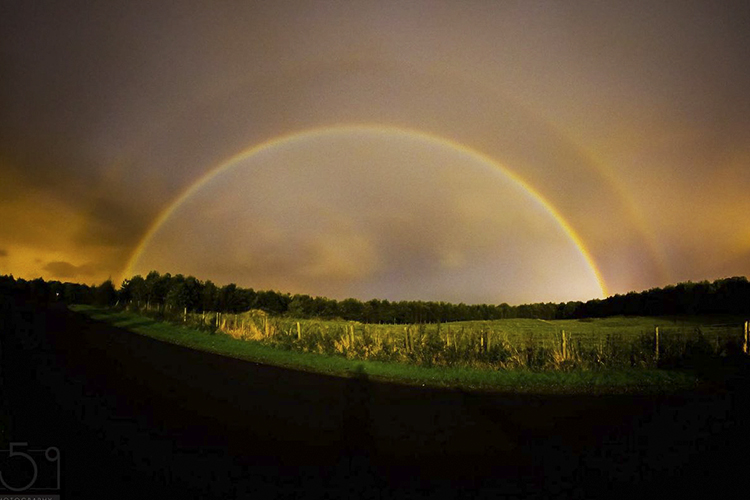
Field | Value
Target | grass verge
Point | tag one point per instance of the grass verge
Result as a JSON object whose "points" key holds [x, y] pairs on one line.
{"points": [[518, 381]]}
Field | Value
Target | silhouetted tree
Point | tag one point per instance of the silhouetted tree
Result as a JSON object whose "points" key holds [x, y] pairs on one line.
{"points": [[727, 296], [156, 287], [105, 294], [209, 297], [301, 306]]}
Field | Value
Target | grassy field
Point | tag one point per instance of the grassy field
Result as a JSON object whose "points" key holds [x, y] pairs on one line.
{"points": [[588, 344], [411, 354]]}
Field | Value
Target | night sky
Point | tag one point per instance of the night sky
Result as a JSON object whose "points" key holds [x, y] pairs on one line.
{"points": [[464, 151]]}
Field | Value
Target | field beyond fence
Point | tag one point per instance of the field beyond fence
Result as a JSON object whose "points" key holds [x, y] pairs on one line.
{"points": [[588, 344]]}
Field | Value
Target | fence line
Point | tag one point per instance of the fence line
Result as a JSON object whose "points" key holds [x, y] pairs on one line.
{"points": [[494, 344]]}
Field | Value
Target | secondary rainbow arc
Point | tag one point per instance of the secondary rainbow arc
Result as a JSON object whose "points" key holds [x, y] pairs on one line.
{"points": [[322, 131]]}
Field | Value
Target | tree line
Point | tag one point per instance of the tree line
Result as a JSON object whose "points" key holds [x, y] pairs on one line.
{"points": [[178, 292]]}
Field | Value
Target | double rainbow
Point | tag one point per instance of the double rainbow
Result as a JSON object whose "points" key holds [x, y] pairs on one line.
{"points": [[323, 131]]}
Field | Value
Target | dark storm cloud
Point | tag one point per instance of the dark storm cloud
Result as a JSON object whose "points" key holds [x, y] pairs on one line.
{"points": [[113, 223], [61, 269]]}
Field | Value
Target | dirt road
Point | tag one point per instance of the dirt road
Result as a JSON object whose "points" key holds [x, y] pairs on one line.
{"points": [[137, 418]]}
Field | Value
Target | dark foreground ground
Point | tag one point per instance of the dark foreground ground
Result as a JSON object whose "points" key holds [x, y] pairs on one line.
{"points": [[136, 418]]}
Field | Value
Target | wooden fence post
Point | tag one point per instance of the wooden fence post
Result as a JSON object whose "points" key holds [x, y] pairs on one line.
{"points": [[564, 346], [747, 337], [656, 345], [299, 332]]}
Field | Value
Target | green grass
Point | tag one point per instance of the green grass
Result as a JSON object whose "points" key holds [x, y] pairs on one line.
{"points": [[592, 330], [639, 380]]}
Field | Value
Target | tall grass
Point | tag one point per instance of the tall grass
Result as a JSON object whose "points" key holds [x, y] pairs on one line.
{"points": [[470, 377], [566, 345]]}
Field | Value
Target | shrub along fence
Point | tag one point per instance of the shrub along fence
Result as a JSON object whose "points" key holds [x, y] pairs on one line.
{"points": [[488, 345]]}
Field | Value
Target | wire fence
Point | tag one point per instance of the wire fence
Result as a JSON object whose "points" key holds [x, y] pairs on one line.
{"points": [[502, 344]]}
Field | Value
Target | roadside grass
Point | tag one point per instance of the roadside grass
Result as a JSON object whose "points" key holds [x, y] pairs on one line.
{"points": [[520, 380]]}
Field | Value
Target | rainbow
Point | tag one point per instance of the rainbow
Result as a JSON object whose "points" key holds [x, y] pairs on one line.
{"points": [[635, 215], [323, 131]]}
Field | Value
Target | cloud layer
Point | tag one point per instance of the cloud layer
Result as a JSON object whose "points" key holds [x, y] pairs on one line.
{"points": [[632, 122]]}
